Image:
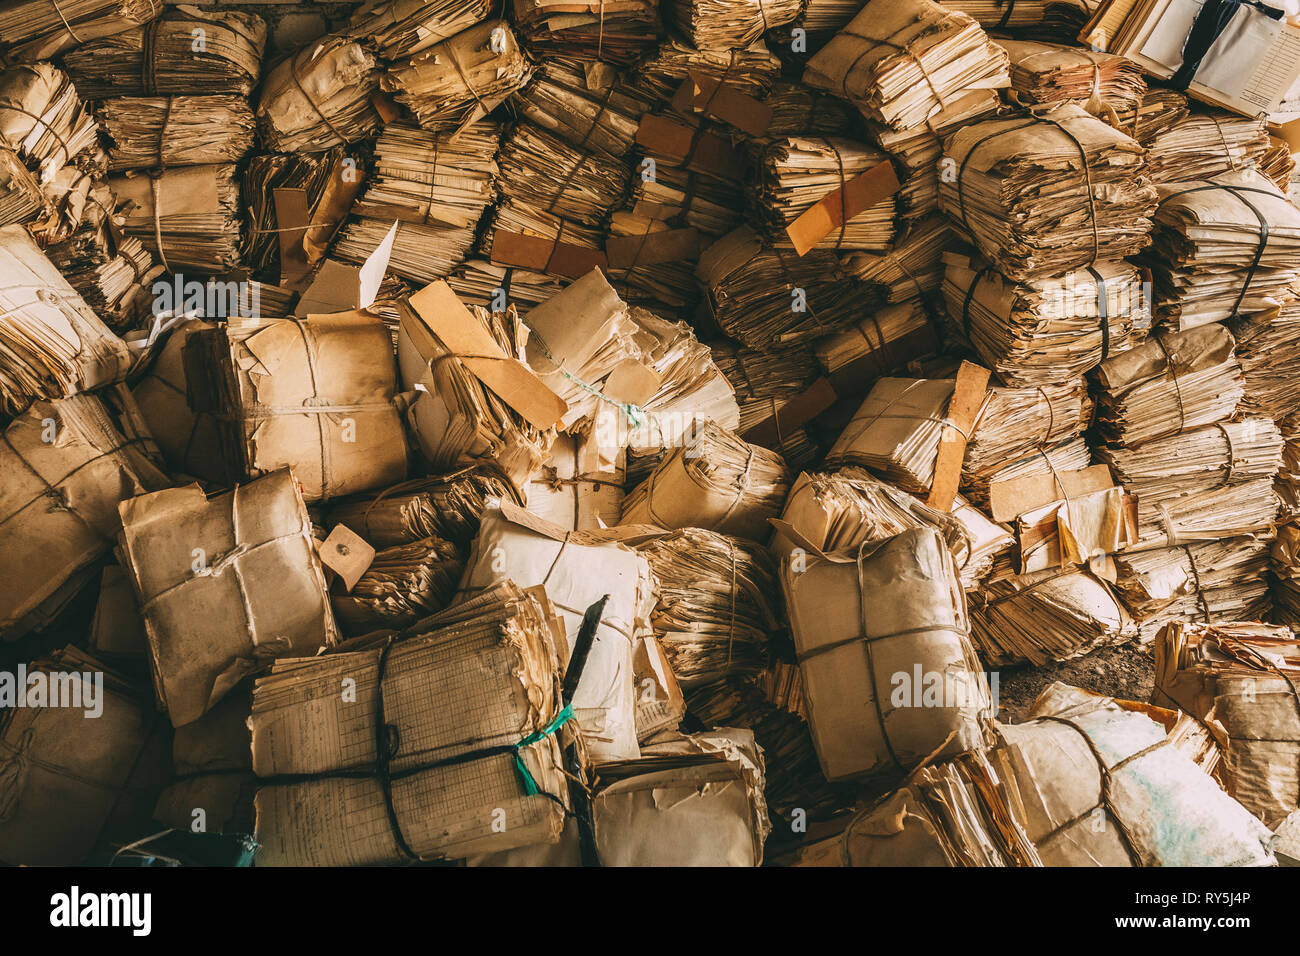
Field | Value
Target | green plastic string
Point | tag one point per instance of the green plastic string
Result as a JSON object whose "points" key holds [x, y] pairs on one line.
{"points": [[562, 718], [635, 413]]}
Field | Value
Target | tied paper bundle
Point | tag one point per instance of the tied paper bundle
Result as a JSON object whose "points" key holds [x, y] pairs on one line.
{"points": [[114, 279], [1196, 460], [20, 193], [77, 778], [1268, 347], [1203, 145], [224, 584], [1226, 247], [911, 269], [480, 283], [762, 295], [797, 173], [164, 59], [1050, 615], [189, 217], [577, 487], [1285, 557], [617, 31], [448, 506], [1209, 582], [1246, 508], [750, 70], [919, 149], [558, 181], [1017, 426], [799, 111], [764, 378], [473, 695], [1049, 193], [945, 814], [576, 568], [728, 24], [66, 466], [39, 29], [715, 608], [462, 79], [319, 175], [477, 400], [212, 765], [437, 186], [902, 62], [688, 801], [567, 249], [1241, 679], [669, 285], [176, 130], [399, 28], [315, 394], [841, 511], [403, 584], [705, 203], [1051, 73], [1287, 482], [1168, 384], [319, 97], [558, 100], [719, 482], [890, 677], [1100, 784], [51, 345], [882, 343], [1157, 113]]}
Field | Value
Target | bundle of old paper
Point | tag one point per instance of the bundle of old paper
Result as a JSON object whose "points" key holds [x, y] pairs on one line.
{"points": [[911, 268], [403, 584], [919, 149], [690, 801], [115, 277], [1051, 73], [763, 377], [718, 482], [473, 699], [1030, 332], [1095, 784], [176, 130], [319, 97], [446, 506], [321, 176], [399, 28], [617, 31], [556, 179], [559, 100], [796, 173], [316, 394], [1048, 615], [479, 282], [576, 568], [946, 814], [842, 510], [579, 486], [190, 217], [902, 62], [161, 59], [709, 204], [1212, 581], [1016, 429], [762, 295], [81, 760], [1223, 247], [1241, 678], [477, 400], [53, 345], [750, 69], [660, 704], [461, 79], [38, 30], [437, 186], [66, 465], [1158, 112], [1248, 65], [883, 342], [20, 193], [212, 766], [225, 584], [1285, 555], [1168, 384], [799, 111], [646, 269], [1268, 347], [890, 675], [1287, 481], [715, 611], [728, 24], [1202, 145], [1046, 194]]}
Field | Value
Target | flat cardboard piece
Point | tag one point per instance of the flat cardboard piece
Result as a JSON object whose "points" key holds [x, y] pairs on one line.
{"points": [[347, 554], [869, 187], [967, 400], [711, 97], [544, 255], [292, 220], [670, 245], [1010, 499]]}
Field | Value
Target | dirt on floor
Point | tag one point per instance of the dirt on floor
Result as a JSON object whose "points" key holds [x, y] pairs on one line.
{"points": [[1126, 671]]}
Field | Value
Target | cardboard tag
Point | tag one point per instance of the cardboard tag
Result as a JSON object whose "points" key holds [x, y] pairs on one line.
{"points": [[869, 187], [708, 96], [668, 245], [967, 400], [347, 554], [439, 312], [632, 383], [544, 255], [1010, 499], [292, 219], [341, 190], [701, 152]]}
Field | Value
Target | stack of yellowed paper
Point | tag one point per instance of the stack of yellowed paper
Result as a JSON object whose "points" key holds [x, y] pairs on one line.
{"points": [[20, 193], [617, 31], [559, 100], [399, 28], [1159, 111], [1052, 73], [157, 131], [324, 178], [750, 69], [38, 31], [882, 343], [1268, 346], [1286, 574], [911, 268], [902, 62], [799, 111], [115, 277], [578, 487], [190, 217], [319, 97], [728, 24], [555, 179], [1202, 145], [403, 583], [483, 283]]}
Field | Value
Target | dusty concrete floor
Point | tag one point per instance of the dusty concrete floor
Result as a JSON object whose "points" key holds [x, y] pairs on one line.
{"points": [[1126, 671]]}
